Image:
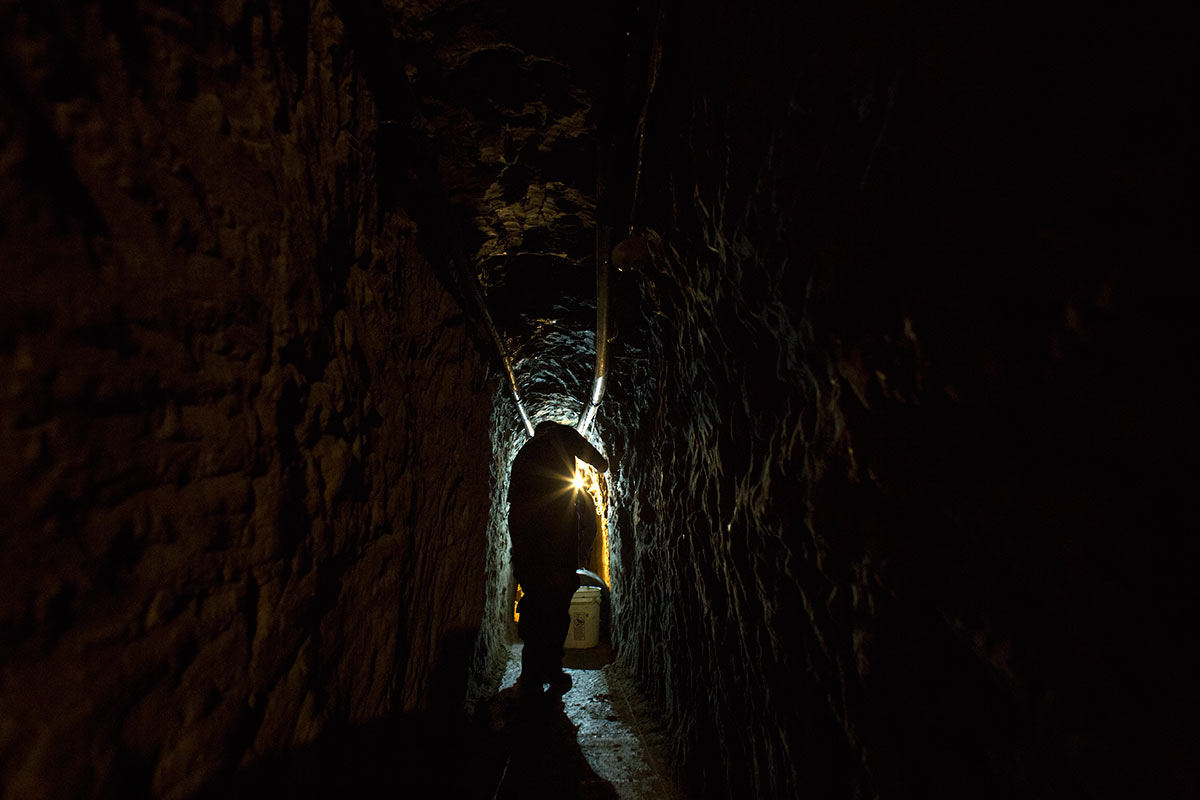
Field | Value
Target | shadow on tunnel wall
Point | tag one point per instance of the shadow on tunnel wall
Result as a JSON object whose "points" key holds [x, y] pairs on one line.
{"points": [[413, 755], [508, 749], [441, 752]]}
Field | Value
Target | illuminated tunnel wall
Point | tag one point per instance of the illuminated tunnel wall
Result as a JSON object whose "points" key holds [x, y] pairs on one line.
{"points": [[900, 413]]}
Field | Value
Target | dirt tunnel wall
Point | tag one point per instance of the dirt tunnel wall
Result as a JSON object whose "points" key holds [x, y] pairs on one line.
{"points": [[241, 412], [896, 409], [906, 512]]}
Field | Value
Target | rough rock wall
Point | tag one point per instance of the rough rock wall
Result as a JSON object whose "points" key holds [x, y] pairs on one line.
{"points": [[239, 412], [910, 477]]}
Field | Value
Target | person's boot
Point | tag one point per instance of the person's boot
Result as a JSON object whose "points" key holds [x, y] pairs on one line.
{"points": [[560, 682], [529, 688], [553, 672]]}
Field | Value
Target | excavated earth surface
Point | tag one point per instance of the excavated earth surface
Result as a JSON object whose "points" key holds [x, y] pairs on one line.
{"points": [[899, 407]]}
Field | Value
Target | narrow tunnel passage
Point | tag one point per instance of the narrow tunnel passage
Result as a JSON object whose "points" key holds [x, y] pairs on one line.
{"points": [[898, 400]]}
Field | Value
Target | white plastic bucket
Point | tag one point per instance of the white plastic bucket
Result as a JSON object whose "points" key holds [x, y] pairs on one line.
{"points": [[585, 618]]}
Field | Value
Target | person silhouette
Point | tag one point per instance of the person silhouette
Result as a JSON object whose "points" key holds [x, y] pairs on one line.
{"points": [[543, 527]]}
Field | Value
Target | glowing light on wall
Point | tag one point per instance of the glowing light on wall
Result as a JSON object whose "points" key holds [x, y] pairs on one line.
{"points": [[588, 479], [591, 481]]}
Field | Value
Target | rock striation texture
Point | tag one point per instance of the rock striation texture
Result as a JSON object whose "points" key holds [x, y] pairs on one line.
{"points": [[239, 417], [902, 510], [896, 409]]}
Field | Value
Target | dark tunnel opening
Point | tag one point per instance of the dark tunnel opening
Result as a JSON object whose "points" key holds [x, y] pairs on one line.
{"points": [[898, 406]]}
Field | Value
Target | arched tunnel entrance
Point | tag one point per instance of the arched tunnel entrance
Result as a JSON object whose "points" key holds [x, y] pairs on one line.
{"points": [[898, 406]]}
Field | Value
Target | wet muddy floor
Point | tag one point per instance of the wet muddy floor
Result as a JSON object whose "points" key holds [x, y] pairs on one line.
{"points": [[594, 740]]}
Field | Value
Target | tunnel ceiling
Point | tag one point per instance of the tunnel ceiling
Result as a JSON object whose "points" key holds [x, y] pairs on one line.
{"points": [[515, 154], [522, 119]]}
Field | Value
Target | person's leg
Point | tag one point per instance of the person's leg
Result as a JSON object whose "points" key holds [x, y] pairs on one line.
{"points": [[529, 568], [558, 623], [531, 627]]}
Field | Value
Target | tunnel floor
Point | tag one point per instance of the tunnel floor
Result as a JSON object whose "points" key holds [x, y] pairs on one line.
{"points": [[595, 741]]}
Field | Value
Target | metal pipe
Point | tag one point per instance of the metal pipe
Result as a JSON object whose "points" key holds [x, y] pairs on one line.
{"points": [[604, 231], [462, 264], [477, 292], [600, 374], [652, 68]]}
